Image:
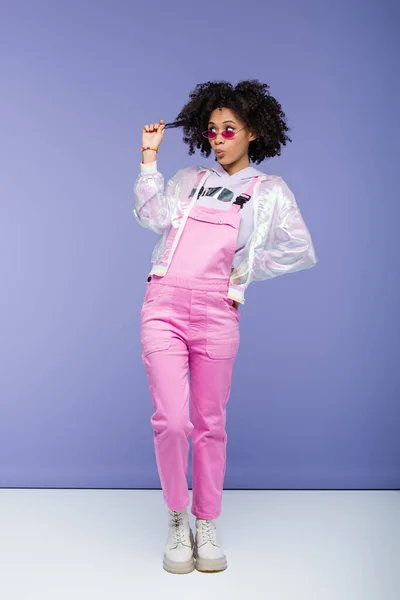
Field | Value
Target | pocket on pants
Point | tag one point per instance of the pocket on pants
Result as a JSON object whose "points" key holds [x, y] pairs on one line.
{"points": [[228, 303], [150, 345], [154, 320], [153, 291], [222, 334]]}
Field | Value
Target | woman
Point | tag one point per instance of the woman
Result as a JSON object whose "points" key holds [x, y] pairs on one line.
{"points": [[220, 228]]}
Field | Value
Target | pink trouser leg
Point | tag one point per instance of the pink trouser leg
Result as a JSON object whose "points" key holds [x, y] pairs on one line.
{"points": [[189, 336], [210, 385], [167, 371]]}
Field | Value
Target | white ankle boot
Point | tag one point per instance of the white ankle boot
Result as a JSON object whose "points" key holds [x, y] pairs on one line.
{"points": [[178, 556], [207, 551]]}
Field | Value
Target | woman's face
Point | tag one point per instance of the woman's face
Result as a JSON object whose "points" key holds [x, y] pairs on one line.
{"points": [[226, 150]]}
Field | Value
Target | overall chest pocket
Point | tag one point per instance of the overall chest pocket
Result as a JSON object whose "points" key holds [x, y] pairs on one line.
{"points": [[222, 217]]}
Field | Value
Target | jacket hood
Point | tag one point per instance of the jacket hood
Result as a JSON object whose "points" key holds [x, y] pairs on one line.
{"points": [[246, 173]]}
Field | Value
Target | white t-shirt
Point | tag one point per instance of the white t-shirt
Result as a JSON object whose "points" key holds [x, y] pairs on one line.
{"points": [[221, 190]]}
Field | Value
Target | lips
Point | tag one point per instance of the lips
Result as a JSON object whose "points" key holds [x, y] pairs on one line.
{"points": [[219, 152]]}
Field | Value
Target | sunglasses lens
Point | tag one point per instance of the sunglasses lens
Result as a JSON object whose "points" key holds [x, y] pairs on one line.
{"points": [[226, 134]]}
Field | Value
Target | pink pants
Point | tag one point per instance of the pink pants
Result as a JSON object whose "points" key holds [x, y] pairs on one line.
{"points": [[198, 330]]}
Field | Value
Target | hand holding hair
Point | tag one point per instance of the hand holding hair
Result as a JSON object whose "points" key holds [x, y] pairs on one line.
{"points": [[153, 134]]}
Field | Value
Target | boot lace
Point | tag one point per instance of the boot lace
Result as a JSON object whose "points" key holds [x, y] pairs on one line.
{"points": [[208, 531], [178, 530]]}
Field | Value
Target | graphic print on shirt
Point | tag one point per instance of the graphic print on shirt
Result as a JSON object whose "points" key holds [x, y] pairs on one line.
{"points": [[219, 193]]}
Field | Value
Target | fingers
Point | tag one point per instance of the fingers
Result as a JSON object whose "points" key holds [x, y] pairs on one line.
{"points": [[153, 126]]}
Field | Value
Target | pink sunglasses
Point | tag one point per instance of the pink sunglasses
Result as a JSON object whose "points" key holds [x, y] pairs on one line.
{"points": [[211, 135]]}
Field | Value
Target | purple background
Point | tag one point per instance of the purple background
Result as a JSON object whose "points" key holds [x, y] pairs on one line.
{"points": [[315, 396]]}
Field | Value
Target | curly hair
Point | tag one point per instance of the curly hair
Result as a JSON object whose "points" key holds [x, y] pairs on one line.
{"points": [[251, 101]]}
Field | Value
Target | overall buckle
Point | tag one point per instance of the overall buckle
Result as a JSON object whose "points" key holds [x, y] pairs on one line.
{"points": [[242, 199]]}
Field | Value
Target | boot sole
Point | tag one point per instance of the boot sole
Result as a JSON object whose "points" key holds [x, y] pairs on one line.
{"points": [[209, 565], [180, 567]]}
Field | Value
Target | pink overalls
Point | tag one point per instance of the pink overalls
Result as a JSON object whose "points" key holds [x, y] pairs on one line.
{"points": [[189, 324]]}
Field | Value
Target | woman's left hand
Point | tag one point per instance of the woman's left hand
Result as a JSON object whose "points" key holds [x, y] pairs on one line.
{"points": [[236, 304]]}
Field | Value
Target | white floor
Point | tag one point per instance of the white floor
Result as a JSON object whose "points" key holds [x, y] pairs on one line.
{"points": [[108, 544]]}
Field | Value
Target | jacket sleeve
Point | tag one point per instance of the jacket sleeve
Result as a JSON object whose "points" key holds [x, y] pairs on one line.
{"points": [[153, 207], [288, 247]]}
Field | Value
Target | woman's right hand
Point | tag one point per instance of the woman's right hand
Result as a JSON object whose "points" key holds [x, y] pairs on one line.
{"points": [[153, 134]]}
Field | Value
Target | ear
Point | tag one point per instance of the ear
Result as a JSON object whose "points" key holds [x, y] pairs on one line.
{"points": [[252, 137]]}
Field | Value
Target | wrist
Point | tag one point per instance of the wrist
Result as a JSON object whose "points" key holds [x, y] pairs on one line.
{"points": [[148, 156]]}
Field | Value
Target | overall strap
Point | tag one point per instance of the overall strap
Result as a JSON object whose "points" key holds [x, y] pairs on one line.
{"points": [[245, 196]]}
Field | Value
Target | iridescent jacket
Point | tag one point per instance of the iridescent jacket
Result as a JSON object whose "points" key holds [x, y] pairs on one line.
{"points": [[280, 242]]}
